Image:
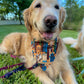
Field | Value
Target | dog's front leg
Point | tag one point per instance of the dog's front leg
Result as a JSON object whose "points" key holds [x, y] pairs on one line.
{"points": [[67, 74], [43, 77]]}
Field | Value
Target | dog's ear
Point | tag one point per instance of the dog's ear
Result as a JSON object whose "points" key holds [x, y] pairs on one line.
{"points": [[26, 15], [62, 16]]}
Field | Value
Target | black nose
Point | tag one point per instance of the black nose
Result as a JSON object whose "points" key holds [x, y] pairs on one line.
{"points": [[50, 21]]}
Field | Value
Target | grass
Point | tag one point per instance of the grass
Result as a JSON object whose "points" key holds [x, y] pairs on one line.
{"points": [[4, 30], [26, 77]]}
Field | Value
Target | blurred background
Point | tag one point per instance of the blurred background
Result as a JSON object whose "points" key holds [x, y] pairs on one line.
{"points": [[11, 12]]}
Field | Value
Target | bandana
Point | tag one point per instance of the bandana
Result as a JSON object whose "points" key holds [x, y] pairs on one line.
{"points": [[44, 53]]}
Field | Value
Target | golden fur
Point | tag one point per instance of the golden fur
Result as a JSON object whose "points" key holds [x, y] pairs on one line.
{"points": [[69, 40], [20, 43]]}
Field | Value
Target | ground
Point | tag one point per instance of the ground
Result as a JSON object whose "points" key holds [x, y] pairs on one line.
{"points": [[26, 77]]}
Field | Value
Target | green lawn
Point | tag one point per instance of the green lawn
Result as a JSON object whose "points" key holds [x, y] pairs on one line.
{"points": [[26, 77], [4, 30]]}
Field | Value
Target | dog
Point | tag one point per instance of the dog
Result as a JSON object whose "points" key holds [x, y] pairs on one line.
{"points": [[78, 43], [44, 20], [69, 40]]}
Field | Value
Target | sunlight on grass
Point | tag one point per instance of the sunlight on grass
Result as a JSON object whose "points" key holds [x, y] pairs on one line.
{"points": [[68, 33], [4, 30]]}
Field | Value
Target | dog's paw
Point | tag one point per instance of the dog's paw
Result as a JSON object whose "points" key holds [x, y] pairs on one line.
{"points": [[22, 59], [2, 51]]}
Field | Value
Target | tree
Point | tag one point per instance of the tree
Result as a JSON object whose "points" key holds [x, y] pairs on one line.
{"points": [[5, 7], [15, 6], [71, 7], [74, 10], [22, 4], [75, 14]]}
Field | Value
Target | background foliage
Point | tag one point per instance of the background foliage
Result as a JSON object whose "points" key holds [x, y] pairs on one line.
{"points": [[14, 6], [75, 14]]}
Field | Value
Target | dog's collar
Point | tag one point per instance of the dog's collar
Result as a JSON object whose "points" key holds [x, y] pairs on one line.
{"points": [[44, 53]]}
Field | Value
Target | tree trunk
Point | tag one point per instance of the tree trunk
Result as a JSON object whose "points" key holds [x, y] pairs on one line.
{"points": [[70, 10], [20, 17]]}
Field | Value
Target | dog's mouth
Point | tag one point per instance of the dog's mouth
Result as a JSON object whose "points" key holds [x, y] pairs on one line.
{"points": [[47, 35]]}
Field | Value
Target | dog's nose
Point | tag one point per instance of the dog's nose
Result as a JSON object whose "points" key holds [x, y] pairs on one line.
{"points": [[50, 21]]}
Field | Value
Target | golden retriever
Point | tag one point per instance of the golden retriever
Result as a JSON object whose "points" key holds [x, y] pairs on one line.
{"points": [[78, 43], [43, 19]]}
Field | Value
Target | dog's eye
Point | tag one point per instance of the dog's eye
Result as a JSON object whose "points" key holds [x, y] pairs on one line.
{"points": [[56, 6], [38, 6]]}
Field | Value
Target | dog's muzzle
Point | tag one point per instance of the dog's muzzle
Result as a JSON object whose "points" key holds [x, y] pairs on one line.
{"points": [[50, 21]]}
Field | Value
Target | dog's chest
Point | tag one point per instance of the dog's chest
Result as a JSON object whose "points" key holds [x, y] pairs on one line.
{"points": [[44, 53]]}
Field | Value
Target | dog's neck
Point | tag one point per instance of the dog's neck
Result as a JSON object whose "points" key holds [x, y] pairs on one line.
{"points": [[44, 52]]}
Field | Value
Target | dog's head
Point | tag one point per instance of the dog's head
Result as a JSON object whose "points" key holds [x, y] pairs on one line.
{"points": [[44, 19]]}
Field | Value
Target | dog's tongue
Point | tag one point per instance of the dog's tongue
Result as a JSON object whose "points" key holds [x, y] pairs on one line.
{"points": [[47, 35]]}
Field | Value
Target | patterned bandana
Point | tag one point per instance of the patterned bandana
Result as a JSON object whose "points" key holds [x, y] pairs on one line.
{"points": [[44, 52]]}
